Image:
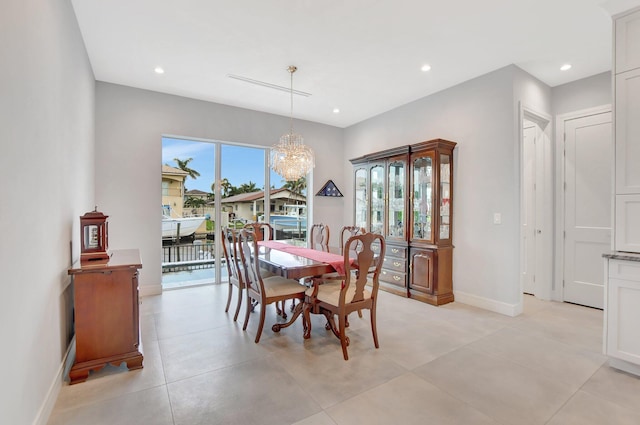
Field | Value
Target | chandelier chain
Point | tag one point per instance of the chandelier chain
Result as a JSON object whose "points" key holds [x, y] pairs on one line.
{"points": [[291, 158]]}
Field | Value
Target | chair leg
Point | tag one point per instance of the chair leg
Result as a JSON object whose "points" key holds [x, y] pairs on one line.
{"points": [[360, 314], [226, 309], [344, 341], [261, 324], [248, 312], [374, 329], [235, 317]]}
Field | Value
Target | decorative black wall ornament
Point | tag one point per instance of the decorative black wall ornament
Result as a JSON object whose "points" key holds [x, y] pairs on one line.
{"points": [[329, 189]]}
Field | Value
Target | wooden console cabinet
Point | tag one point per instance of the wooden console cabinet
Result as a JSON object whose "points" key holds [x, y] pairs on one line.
{"points": [[106, 313]]}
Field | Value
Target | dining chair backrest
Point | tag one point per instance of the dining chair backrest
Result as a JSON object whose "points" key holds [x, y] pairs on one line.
{"points": [[232, 260], [369, 251], [248, 245], [232, 256], [349, 231], [262, 231], [320, 237]]}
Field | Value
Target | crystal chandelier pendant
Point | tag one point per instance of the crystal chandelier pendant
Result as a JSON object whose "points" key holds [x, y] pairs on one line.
{"points": [[290, 157]]}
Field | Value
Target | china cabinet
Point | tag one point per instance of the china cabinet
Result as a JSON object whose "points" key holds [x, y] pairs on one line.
{"points": [[406, 195]]}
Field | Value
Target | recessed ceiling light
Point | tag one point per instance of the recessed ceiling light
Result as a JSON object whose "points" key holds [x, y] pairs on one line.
{"points": [[426, 67], [565, 67], [336, 110], [159, 70]]}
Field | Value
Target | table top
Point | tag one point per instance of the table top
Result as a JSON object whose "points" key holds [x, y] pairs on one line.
{"points": [[292, 266], [118, 259]]}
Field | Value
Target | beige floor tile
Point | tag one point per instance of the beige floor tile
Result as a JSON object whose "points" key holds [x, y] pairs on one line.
{"points": [[111, 382], [254, 392], [406, 400], [329, 379], [616, 386], [586, 409], [576, 325], [453, 364], [570, 364], [196, 353], [143, 407], [170, 323], [501, 389], [318, 419]]}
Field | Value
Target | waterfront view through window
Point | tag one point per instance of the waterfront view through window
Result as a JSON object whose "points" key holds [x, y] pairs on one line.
{"points": [[209, 182]]}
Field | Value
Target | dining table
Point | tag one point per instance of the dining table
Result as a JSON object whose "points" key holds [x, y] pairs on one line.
{"points": [[292, 260]]}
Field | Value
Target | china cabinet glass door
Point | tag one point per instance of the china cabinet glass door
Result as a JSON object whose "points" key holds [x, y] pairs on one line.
{"points": [[376, 220], [422, 198], [445, 197], [361, 198], [396, 178]]}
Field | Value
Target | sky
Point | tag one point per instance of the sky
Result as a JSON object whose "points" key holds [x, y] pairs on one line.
{"points": [[239, 164]]}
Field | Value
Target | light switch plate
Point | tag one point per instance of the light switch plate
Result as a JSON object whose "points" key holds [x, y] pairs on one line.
{"points": [[497, 218]]}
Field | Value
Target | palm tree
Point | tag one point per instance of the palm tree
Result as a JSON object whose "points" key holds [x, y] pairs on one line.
{"points": [[226, 187], [183, 165], [296, 186], [248, 187]]}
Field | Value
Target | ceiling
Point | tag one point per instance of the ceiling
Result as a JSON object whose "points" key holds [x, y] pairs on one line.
{"points": [[361, 56]]}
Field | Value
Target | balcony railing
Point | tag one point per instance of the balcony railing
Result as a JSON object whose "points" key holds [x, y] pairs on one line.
{"points": [[194, 256]]}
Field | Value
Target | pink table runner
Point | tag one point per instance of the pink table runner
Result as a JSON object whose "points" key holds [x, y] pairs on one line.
{"points": [[336, 261]]}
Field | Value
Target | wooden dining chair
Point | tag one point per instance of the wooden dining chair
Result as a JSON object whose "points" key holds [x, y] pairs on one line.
{"points": [[263, 291], [358, 289], [262, 230], [349, 231], [320, 237], [231, 253]]}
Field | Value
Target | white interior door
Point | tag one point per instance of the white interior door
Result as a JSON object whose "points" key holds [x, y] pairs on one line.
{"points": [[529, 208], [587, 221]]}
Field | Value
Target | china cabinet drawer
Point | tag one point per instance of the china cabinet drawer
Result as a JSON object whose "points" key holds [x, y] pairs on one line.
{"points": [[393, 277], [396, 251], [396, 264]]}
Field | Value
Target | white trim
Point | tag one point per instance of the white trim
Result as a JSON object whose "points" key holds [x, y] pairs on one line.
{"points": [[511, 310], [147, 290], [558, 292], [624, 366], [42, 417]]}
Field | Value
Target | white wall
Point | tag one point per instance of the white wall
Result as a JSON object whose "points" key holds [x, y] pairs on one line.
{"points": [[47, 175], [479, 116], [129, 126], [582, 94]]}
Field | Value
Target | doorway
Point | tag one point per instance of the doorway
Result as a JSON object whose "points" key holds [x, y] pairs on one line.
{"points": [[536, 262], [587, 193]]}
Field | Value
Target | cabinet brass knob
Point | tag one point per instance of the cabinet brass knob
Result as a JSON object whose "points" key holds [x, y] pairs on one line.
{"points": [[396, 278], [397, 263]]}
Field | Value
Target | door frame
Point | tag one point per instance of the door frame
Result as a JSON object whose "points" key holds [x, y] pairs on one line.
{"points": [[557, 292], [544, 209]]}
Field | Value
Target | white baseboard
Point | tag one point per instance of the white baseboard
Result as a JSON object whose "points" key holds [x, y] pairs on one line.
{"points": [[54, 389], [146, 290], [624, 366], [511, 310]]}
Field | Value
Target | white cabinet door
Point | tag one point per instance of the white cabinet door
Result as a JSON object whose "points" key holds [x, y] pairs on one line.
{"points": [[628, 132], [623, 311], [627, 42], [627, 223]]}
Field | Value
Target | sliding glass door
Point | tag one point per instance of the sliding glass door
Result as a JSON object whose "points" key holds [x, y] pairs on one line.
{"points": [[208, 186]]}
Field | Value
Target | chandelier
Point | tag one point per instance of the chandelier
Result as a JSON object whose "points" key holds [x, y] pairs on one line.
{"points": [[290, 157]]}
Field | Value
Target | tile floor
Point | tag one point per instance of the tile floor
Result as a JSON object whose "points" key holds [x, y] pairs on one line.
{"points": [[453, 364]]}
